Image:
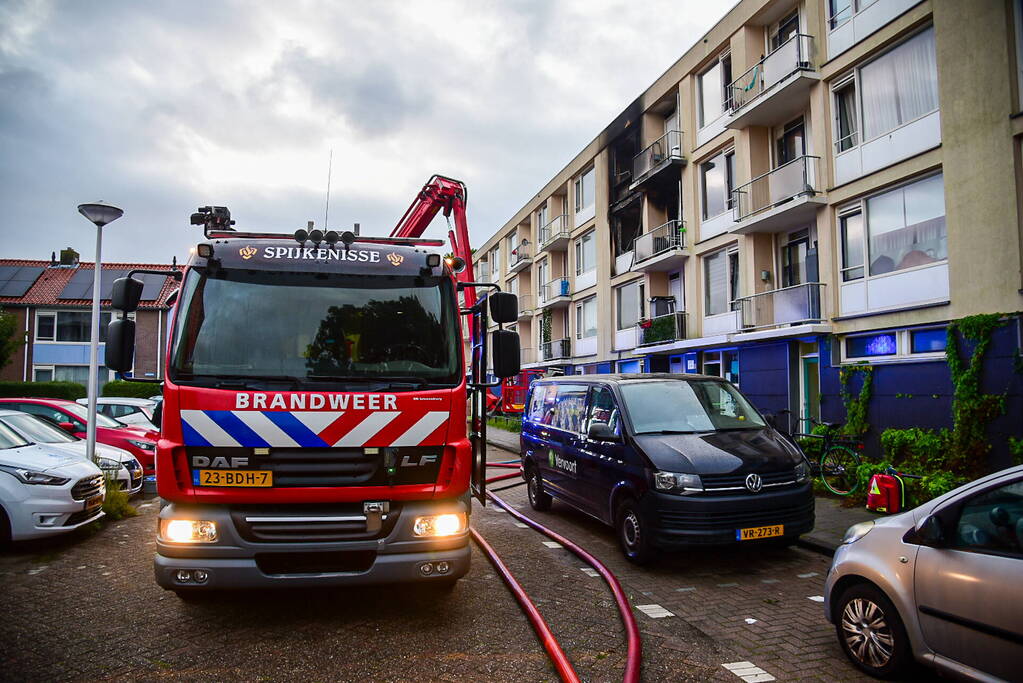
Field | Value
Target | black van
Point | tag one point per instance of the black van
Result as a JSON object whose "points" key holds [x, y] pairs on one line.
{"points": [[669, 460]]}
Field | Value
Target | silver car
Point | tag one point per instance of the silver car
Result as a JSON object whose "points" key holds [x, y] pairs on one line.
{"points": [[942, 584]]}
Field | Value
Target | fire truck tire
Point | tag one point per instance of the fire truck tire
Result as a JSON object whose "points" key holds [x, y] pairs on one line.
{"points": [[539, 499]]}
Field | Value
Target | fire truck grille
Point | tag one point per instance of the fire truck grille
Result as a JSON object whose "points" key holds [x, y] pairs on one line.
{"points": [[309, 523], [332, 467]]}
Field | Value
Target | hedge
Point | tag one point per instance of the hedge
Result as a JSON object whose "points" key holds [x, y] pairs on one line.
{"points": [[131, 389], [68, 390]]}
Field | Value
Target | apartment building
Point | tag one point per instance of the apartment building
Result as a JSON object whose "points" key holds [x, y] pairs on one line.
{"points": [[52, 303], [813, 184]]}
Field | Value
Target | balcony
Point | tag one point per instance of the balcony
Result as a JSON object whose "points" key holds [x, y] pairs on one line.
{"points": [[526, 306], [777, 88], [520, 258], [555, 235], [661, 249], [796, 305], [663, 154], [779, 199], [527, 356], [555, 294], [554, 350], [662, 329]]}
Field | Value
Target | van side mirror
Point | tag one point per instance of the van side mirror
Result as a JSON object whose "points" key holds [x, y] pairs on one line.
{"points": [[601, 431], [126, 294], [120, 349], [504, 353], [504, 307]]}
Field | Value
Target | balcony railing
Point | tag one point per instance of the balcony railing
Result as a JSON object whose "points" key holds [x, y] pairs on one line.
{"points": [[553, 289], [795, 54], [663, 238], [668, 146], [798, 304], [552, 350], [662, 329], [795, 178], [556, 229], [520, 254], [526, 304], [527, 356]]}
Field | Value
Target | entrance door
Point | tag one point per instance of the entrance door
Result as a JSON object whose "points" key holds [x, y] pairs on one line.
{"points": [[810, 394]]}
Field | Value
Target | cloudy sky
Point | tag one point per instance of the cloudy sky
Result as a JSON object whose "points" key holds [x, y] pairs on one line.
{"points": [[159, 107]]}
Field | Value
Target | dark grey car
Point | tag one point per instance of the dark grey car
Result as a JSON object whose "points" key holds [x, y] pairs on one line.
{"points": [[942, 583]]}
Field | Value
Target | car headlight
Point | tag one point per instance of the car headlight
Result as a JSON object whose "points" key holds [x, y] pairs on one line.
{"points": [[856, 532], [144, 445], [108, 464], [188, 530], [802, 472], [26, 476], [447, 524], [676, 482]]}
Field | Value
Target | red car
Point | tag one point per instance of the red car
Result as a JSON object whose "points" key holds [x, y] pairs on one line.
{"points": [[72, 417]]}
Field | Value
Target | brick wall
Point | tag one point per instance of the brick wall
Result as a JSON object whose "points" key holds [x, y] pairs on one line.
{"points": [[14, 370]]}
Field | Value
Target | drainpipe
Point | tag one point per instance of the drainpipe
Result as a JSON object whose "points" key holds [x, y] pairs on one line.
{"points": [[24, 358], [159, 339]]}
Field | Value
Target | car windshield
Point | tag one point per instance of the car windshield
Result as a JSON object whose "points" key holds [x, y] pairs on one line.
{"points": [[82, 413], [315, 328], [36, 429], [687, 406], [9, 438]]}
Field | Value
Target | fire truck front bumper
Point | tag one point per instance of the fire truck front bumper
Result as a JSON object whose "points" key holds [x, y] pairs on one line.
{"points": [[315, 547]]}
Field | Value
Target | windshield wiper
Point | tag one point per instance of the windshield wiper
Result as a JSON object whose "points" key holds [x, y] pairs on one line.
{"points": [[672, 431], [377, 379]]}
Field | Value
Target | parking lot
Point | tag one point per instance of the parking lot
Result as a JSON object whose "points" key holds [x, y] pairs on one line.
{"points": [[87, 608]]}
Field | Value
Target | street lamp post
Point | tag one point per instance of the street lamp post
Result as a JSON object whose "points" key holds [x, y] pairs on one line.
{"points": [[99, 214]]}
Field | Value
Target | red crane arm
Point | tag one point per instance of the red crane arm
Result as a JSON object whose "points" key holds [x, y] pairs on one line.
{"points": [[448, 195]]}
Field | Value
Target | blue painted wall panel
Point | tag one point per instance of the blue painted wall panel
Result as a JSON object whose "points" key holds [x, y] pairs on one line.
{"points": [[764, 375], [62, 354]]}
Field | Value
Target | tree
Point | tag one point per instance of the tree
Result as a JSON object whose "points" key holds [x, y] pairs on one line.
{"points": [[10, 339]]}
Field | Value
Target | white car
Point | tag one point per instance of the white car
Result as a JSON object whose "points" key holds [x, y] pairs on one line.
{"points": [[45, 491], [117, 463], [137, 412]]}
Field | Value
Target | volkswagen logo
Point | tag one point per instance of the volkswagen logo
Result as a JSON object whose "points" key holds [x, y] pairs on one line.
{"points": [[754, 483]]}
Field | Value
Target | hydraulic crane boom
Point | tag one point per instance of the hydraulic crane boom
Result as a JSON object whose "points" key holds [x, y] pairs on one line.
{"points": [[448, 195]]}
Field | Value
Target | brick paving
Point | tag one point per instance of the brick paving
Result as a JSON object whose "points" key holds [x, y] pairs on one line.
{"points": [[87, 608]]}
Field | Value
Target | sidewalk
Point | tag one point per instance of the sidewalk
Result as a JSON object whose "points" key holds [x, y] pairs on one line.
{"points": [[832, 518]]}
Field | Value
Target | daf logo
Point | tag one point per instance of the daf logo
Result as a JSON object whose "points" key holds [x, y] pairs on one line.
{"points": [[754, 483], [247, 252], [219, 462]]}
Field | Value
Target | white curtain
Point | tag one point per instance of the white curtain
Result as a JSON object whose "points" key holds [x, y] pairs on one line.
{"points": [[900, 86], [716, 283]]}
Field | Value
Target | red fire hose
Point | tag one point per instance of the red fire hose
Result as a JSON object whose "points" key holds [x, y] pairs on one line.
{"points": [[634, 655]]}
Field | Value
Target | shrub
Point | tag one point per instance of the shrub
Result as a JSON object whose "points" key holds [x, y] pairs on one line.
{"points": [[116, 504], [510, 424], [130, 389], [68, 390]]}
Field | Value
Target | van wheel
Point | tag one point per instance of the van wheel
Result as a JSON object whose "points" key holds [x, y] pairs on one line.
{"points": [[871, 632], [634, 533], [539, 499]]}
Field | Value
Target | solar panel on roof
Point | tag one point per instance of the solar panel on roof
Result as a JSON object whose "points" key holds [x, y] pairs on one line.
{"points": [[152, 284], [77, 286], [16, 280]]}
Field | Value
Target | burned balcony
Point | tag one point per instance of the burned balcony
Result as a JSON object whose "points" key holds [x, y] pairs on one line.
{"points": [[665, 153], [555, 235], [661, 249], [777, 200], [526, 306], [777, 88], [520, 258], [662, 329], [555, 293], [555, 350], [795, 305]]}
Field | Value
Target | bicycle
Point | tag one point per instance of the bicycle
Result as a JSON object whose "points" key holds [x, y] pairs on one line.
{"points": [[839, 459]]}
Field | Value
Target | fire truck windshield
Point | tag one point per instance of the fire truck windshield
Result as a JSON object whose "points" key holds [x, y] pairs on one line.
{"points": [[254, 325]]}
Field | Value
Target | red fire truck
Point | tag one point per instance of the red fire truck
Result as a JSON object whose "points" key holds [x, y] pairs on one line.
{"points": [[314, 414], [512, 397]]}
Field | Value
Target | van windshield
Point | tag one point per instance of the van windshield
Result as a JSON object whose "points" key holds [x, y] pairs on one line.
{"points": [[686, 407]]}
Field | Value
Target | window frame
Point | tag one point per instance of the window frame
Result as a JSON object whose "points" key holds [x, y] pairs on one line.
{"points": [[903, 347], [725, 94], [578, 187], [733, 280], [580, 318], [54, 315], [958, 507], [727, 157], [639, 282], [579, 245]]}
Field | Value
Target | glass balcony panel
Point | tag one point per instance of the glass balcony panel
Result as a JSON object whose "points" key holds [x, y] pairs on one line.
{"points": [[799, 304]]}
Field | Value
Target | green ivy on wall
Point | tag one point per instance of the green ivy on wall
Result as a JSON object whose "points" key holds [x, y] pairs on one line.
{"points": [[546, 321], [856, 406]]}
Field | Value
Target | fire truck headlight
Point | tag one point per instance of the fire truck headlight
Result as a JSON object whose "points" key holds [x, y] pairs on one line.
{"points": [[439, 525], [188, 530]]}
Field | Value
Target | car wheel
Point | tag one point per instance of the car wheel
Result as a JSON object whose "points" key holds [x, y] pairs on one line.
{"points": [[634, 533], [871, 632], [539, 499]]}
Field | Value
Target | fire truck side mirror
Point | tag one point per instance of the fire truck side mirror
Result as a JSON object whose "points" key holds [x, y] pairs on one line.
{"points": [[120, 349], [126, 294], [504, 353], [504, 307]]}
